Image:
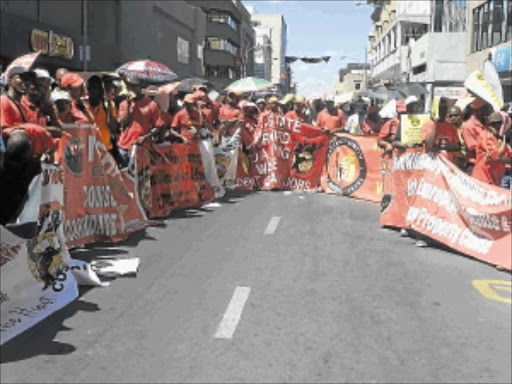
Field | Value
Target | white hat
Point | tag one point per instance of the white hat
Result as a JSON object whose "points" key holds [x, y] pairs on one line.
{"points": [[43, 74], [261, 101], [411, 99], [59, 94]]}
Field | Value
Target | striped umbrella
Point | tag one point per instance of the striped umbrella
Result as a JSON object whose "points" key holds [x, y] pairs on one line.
{"points": [[147, 70], [249, 84]]}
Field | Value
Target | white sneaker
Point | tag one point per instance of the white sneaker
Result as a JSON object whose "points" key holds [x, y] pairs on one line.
{"points": [[421, 243], [404, 233]]}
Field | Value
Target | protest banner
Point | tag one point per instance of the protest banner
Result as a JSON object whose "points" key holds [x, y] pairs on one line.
{"points": [[210, 168], [170, 177], [410, 127], [433, 197], [354, 167], [98, 206], [226, 158], [35, 281], [478, 84]]}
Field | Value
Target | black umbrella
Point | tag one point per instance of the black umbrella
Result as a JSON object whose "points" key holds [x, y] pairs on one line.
{"points": [[187, 84], [412, 89]]}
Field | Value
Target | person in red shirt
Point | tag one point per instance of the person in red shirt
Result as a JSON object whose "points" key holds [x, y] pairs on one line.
{"points": [[491, 154], [74, 84], [473, 128], [40, 139], [273, 107], [11, 111], [62, 101], [188, 121], [370, 124], [139, 118], [249, 124], [299, 105], [331, 118], [441, 136]]}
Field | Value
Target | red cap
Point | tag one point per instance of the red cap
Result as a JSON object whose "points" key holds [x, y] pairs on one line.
{"points": [[190, 98], [72, 80], [478, 103]]}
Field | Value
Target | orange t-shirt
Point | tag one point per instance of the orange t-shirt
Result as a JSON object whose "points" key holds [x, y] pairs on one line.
{"points": [[486, 169], [293, 115], [227, 112], [325, 119], [184, 122], [389, 130], [10, 112], [100, 120], [471, 131], [445, 132]]}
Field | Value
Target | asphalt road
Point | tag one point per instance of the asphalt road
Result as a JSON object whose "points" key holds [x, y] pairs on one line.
{"points": [[326, 296]]}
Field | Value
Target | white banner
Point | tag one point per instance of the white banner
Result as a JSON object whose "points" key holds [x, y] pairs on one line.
{"points": [[226, 158], [35, 281], [210, 171]]}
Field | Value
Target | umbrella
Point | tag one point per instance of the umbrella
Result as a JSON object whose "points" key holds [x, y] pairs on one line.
{"points": [[25, 61], [147, 70], [249, 84], [187, 84], [412, 89]]}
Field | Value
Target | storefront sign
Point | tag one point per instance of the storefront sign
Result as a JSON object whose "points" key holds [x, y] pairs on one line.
{"points": [[502, 59], [52, 44]]}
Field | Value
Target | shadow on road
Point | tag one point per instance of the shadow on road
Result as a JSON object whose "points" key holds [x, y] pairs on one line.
{"points": [[39, 340]]}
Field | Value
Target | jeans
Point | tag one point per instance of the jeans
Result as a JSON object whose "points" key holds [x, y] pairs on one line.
{"points": [[506, 181]]}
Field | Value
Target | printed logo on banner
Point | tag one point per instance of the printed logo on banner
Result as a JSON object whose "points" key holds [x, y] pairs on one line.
{"points": [[349, 170], [73, 155], [304, 158]]}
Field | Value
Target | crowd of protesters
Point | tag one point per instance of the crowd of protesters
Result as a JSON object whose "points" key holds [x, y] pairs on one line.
{"points": [[128, 111]]}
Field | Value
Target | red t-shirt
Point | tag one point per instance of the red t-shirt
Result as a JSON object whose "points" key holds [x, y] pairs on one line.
{"points": [[325, 119], [445, 132], [369, 127], [184, 121], [78, 115], [248, 131], [10, 112], [389, 130], [293, 115], [486, 169], [32, 112], [227, 112], [144, 116], [471, 131], [39, 137]]}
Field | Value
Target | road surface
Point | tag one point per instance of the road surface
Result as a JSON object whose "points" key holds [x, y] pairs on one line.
{"points": [[275, 287]]}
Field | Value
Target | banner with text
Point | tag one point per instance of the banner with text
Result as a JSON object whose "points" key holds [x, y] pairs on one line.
{"points": [[433, 197], [98, 204], [170, 177]]}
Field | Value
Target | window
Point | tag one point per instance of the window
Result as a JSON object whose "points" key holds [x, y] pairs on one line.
{"points": [[222, 17], [491, 24], [357, 86], [222, 71], [220, 44], [475, 46], [183, 50]]}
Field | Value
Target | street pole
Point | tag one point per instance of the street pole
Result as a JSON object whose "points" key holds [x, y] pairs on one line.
{"points": [[364, 69], [84, 32]]}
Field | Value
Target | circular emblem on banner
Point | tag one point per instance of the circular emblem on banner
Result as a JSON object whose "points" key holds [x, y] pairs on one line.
{"points": [[73, 154], [346, 166]]}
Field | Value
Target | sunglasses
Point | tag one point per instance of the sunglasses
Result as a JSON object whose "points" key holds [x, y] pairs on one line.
{"points": [[454, 115]]}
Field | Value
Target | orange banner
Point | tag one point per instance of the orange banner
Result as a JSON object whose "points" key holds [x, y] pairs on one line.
{"points": [[354, 167], [170, 177], [97, 203], [432, 196]]}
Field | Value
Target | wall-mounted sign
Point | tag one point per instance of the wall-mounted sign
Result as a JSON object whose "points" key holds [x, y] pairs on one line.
{"points": [[52, 44], [502, 60]]}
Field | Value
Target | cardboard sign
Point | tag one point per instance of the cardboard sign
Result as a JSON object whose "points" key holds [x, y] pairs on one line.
{"points": [[410, 126]]}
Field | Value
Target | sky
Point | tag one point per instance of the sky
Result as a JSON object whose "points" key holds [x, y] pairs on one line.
{"points": [[321, 28]]}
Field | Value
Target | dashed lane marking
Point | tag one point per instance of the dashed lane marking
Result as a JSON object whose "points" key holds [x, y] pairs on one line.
{"points": [[272, 225], [231, 318]]}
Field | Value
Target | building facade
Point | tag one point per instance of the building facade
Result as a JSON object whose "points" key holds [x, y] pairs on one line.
{"points": [[489, 24], [228, 41], [351, 80], [281, 72], [112, 32], [263, 53]]}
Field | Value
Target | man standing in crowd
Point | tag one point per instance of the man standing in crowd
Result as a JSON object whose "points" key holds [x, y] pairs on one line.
{"points": [[229, 113], [473, 128], [491, 154], [74, 84], [262, 105], [187, 121], [139, 118], [96, 107], [297, 113], [460, 156], [440, 135], [59, 74], [11, 112], [331, 119]]}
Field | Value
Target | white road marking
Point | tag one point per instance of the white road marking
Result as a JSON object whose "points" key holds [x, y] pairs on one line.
{"points": [[287, 193], [272, 225], [229, 322], [212, 205]]}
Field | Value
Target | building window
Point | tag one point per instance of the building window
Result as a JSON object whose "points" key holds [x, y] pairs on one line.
{"points": [[222, 71], [491, 24], [357, 86], [223, 18], [220, 44], [183, 50]]}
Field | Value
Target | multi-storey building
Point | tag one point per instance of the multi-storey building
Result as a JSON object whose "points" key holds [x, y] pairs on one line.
{"points": [[351, 80], [281, 72], [489, 24], [229, 40], [102, 35], [263, 53]]}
